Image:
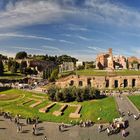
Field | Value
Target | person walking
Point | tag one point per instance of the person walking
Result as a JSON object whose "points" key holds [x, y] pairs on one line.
{"points": [[34, 129]]}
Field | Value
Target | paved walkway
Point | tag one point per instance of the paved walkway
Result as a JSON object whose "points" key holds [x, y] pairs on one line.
{"points": [[125, 105], [8, 129]]}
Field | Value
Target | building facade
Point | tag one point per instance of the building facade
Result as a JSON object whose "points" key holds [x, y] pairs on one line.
{"points": [[100, 82]]}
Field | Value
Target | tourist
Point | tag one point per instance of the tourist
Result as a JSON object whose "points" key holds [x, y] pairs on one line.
{"points": [[18, 127], [135, 117], [60, 128], [34, 129], [100, 128], [45, 138], [139, 115], [128, 113], [123, 133], [108, 131]]}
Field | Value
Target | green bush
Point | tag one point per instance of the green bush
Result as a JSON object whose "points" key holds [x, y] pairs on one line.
{"points": [[70, 94]]}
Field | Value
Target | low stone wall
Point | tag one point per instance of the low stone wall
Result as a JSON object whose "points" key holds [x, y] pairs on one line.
{"points": [[60, 111], [76, 114], [46, 109], [30, 100], [35, 104]]}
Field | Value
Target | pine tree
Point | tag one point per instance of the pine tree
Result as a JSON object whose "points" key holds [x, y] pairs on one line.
{"points": [[1, 68]]}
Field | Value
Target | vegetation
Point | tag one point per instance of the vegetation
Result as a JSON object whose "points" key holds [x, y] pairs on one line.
{"points": [[21, 55], [136, 100], [90, 72], [14, 67], [72, 94], [23, 66], [1, 68], [104, 108]]}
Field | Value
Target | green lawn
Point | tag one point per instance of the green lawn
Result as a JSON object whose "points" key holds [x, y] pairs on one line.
{"points": [[136, 100], [103, 108], [90, 72]]}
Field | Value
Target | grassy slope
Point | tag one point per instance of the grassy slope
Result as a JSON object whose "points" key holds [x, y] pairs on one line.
{"points": [[89, 72], [136, 100], [90, 109]]}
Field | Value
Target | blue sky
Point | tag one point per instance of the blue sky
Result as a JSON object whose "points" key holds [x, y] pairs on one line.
{"points": [[81, 28]]}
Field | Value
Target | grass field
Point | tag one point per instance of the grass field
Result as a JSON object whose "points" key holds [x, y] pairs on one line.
{"points": [[90, 72], [136, 100], [103, 108]]}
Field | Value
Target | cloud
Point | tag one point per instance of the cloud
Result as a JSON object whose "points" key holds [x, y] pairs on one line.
{"points": [[97, 49], [27, 48], [51, 47], [65, 41], [74, 27], [7, 35], [29, 12], [83, 38], [117, 13], [17, 35]]}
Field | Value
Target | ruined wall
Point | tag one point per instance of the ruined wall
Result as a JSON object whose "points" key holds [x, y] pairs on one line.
{"points": [[100, 82]]}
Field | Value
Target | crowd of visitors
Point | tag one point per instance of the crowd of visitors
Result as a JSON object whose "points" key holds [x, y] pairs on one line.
{"points": [[116, 126]]}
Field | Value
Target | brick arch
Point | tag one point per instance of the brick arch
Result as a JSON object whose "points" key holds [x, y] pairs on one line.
{"points": [[80, 83], [133, 82], [116, 83], [71, 83], [125, 83]]}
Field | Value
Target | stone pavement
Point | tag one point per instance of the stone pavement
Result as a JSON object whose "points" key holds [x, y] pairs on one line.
{"points": [[8, 129], [124, 104]]}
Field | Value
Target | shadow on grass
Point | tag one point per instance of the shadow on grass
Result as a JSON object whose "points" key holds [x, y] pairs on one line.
{"points": [[4, 88]]}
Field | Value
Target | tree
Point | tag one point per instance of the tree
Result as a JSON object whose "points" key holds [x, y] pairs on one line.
{"points": [[52, 91], [59, 96], [54, 75], [10, 62], [85, 93], [14, 67], [66, 58], [21, 55], [67, 96], [29, 71], [79, 95], [23, 66], [46, 73], [1, 68]]}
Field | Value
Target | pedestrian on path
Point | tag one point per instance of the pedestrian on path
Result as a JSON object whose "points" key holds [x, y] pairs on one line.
{"points": [[60, 129], [34, 129], [18, 127]]}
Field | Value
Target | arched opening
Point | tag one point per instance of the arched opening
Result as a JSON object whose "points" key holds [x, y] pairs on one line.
{"points": [[89, 82], [133, 82], [80, 83], [71, 83], [125, 83], [107, 84], [116, 83]]}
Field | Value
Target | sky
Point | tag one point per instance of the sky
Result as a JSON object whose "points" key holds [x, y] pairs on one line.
{"points": [[80, 28]]}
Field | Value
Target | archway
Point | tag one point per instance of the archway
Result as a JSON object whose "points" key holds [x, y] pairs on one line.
{"points": [[116, 83], [80, 83], [71, 83], [125, 83], [89, 82], [133, 82], [107, 84]]}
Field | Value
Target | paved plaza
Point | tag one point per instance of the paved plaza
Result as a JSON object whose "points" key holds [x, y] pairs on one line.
{"points": [[8, 128]]}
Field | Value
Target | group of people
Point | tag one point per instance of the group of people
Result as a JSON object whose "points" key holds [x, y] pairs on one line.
{"points": [[87, 123], [19, 125]]}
